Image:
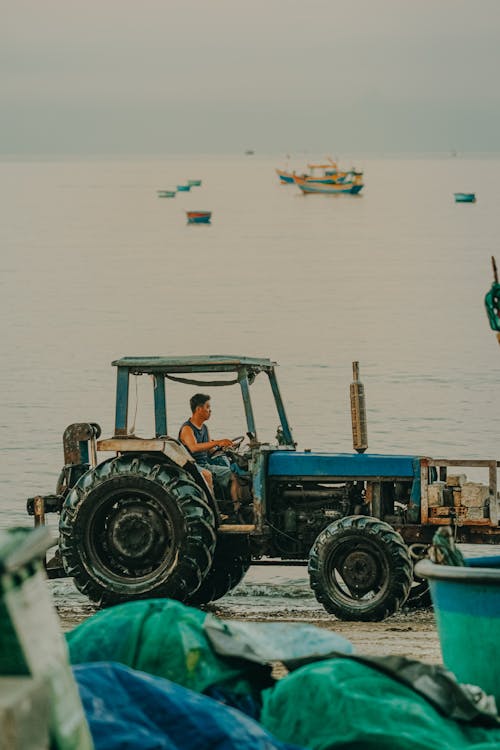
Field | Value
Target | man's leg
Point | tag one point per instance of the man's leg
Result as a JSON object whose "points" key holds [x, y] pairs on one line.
{"points": [[226, 484], [207, 476]]}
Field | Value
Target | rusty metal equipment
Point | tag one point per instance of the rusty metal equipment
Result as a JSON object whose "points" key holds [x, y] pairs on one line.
{"points": [[143, 522]]}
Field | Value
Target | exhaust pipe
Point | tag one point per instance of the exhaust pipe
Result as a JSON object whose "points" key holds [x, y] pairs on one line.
{"points": [[358, 412]]}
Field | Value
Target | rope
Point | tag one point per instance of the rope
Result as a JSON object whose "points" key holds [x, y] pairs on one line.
{"points": [[132, 428], [211, 383]]}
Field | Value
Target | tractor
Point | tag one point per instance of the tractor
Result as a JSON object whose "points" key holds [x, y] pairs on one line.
{"points": [[144, 523]]}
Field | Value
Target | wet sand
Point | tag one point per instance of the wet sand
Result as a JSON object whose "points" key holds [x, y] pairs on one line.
{"points": [[282, 594]]}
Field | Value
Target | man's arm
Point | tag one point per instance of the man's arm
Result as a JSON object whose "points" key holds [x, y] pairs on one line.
{"points": [[187, 437]]}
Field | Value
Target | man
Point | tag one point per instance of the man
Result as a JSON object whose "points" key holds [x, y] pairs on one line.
{"points": [[194, 435]]}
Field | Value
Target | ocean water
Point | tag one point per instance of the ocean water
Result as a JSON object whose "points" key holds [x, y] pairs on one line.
{"points": [[94, 267]]}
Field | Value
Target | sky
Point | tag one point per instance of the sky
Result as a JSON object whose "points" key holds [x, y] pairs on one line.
{"points": [[219, 76]]}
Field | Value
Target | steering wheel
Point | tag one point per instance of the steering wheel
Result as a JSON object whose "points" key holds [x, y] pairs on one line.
{"points": [[234, 448]]}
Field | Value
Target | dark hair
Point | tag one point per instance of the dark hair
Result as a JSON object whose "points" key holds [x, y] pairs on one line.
{"points": [[198, 400]]}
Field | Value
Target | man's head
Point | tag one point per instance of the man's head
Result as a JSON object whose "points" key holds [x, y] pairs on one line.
{"points": [[200, 404]]}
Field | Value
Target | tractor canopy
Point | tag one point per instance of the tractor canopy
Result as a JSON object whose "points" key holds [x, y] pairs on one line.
{"points": [[161, 369]]}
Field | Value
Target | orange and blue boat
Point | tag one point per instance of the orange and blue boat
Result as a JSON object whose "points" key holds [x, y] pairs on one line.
{"points": [[352, 186], [285, 177], [199, 217], [326, 173]]}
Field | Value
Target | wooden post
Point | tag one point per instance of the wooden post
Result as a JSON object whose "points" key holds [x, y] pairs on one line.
{"points": [[493, 493], [424, 482]]}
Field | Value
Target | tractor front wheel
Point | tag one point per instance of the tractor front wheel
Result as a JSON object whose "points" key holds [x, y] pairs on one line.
{"points": [[136, 527], [360, 569]]}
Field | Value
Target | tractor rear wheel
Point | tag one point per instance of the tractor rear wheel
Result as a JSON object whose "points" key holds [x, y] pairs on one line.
{"points": [[360, 569], [231, 562], [136, 527]]}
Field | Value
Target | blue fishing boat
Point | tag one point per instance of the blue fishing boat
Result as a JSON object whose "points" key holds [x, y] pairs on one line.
{"points": [[166, 193], [465, 197], [183, 188], [198, 217]]}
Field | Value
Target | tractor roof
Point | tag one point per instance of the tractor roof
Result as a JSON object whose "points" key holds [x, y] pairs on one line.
{"points": [[206, 363]]}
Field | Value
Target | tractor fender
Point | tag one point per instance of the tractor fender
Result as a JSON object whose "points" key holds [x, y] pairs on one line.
{"points": [[177, 453], [168, 450]]}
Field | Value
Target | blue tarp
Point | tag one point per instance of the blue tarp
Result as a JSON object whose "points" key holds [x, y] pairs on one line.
{"points": [[127, 709]]}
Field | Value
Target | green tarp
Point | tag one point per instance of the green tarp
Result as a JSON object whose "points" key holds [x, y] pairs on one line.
{"points": [[345, 703], [165, 638]]}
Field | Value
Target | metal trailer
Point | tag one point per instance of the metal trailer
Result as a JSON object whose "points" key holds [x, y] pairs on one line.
{"points": [[144, 523]]}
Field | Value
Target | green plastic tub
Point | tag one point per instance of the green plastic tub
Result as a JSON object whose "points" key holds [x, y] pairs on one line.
{"points": [[467, 610]]}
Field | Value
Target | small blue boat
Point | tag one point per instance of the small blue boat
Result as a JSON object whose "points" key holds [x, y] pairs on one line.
{"points": [[465, 197], [183, 188]]}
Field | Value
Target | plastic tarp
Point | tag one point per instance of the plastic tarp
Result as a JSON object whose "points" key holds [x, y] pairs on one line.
{"points": [[197, 650], [385, 703], [166, 638], [127, 710], [293, 644]]}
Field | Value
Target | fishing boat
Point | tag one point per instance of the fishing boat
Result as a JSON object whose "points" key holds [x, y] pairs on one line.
{"points": [[285, 177], [323, 171], [353, 187], [166, 193], [465, 197], [183, 188], [194, 183], [198, 217], [327, 173]]}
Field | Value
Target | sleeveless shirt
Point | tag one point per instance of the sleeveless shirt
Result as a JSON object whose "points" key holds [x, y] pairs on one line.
{"points": [[201, 436]]}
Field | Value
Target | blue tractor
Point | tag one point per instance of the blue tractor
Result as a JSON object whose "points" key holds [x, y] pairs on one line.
{"points": [[144, 523]]}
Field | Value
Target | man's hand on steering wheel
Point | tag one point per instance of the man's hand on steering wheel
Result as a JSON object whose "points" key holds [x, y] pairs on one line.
{"points": [[225, 445]]}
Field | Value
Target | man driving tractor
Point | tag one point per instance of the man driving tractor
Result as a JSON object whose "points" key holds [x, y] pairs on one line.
{"points": [[194, 435]]}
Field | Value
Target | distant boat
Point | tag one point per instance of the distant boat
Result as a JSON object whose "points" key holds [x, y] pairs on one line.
{"points": [[353, 187], [198, 217], [194, 183], [249, 152], [465, 197], [166, 193], [285, 177], [183, 188], [328, 173]]}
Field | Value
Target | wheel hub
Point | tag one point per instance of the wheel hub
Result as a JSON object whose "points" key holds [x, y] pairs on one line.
{"points": [[360, 571], [135, 533]]}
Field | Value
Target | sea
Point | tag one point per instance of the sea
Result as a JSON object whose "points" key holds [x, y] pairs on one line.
{"points": [[95, 266]]}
